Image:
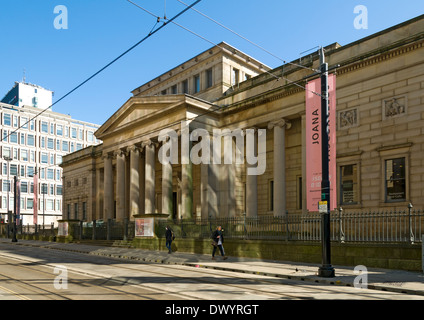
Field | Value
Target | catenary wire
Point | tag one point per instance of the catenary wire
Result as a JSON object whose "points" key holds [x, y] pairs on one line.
{"points": [[216, 45], [246, 39], [102, 69]]}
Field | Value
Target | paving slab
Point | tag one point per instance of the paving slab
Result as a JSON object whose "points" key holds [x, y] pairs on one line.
{"points": [[381, 279]]}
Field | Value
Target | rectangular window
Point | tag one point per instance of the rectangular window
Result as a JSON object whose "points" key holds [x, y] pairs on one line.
{"points": [[44, 127], [235, 77], [75, 210], [6, 152], [84, 211], [196, 83], [44, 158], [209, 79], [74, 133], [395, 180], [7, 119], [31, 140], [65, 146], [174, 89], [13, 169], [30, 171], [349, 184], [24, 187], [50, 174], [24, 123], [50, 143], [185, 86], [271, 196], [68, 210], [59, 130], [30, 203], [14, 137], [50, 204], [6, 186], [90, 136]]}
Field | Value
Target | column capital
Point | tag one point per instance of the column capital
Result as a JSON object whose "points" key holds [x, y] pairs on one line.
{"points": [[133, 148], [279, 123], [107, 156], [119, 153], [149, 142]]}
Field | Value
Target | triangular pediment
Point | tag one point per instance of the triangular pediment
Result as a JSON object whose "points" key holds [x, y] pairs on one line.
{"points": [[138, 109]]}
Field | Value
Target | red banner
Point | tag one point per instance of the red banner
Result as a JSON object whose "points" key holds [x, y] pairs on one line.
{"points": [[313, 143]]}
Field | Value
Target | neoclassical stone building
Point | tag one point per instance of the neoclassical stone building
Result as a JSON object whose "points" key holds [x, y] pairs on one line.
{"points": [[380, 135]]}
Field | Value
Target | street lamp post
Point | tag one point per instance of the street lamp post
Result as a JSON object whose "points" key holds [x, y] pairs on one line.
{"points": [[326, 270], [15, 201]]}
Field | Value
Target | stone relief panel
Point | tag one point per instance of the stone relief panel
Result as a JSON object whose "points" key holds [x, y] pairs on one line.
{"points": [[348, 119], [394, 107]]}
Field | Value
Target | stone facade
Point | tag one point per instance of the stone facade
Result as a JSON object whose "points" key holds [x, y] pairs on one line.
{"points": [[380, 137]]}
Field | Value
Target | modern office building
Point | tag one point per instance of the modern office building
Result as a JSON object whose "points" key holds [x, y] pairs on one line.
{"points": [[33, 143], [379, 131], [27, 94]]}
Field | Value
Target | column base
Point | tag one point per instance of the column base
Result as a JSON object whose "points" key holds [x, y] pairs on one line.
{"points": [[326, 271]]}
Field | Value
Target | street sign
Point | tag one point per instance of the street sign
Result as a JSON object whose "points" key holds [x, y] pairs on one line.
{"points": [[322, 207]]}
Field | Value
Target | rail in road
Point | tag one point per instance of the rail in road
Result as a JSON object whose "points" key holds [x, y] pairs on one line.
{"points": [[28, 273]]}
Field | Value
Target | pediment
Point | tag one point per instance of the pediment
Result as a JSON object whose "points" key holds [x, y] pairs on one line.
{"points": [[137, 110]]}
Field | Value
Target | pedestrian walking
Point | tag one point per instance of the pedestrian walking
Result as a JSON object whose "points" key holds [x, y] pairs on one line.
{"points": [[218, 242], [169, 236]]}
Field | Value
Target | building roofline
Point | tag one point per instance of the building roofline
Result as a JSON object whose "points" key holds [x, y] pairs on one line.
{"points": [[222, 46]]}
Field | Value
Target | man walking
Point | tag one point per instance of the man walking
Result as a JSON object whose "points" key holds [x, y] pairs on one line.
{"points": [[169, 235]]}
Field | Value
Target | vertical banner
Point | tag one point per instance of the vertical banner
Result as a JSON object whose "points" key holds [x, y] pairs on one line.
{"points": [[313, 143], [35, 204]]}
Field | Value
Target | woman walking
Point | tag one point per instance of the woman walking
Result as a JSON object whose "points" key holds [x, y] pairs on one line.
{"points": [[218, 242]]}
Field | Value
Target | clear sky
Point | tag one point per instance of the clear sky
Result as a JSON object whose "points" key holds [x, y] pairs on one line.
{"points": [[100, 30]]}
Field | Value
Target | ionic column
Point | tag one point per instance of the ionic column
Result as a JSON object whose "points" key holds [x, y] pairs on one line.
{"points": [[167, 203], [149, 206], [134, 180], [251, 179], [186, 174], [120, 185], [108, 203], [280, 190]]}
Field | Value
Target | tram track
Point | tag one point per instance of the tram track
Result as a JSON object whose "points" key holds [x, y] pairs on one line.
{"points": [[203, 276]]}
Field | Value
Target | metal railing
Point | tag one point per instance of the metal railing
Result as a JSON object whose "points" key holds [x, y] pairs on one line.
{"points": [[384, 226], [404, 226]]}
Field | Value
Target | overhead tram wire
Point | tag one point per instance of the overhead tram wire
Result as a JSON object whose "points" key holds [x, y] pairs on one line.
{"points": [[246, 39], [104, 68], [216, 45]]}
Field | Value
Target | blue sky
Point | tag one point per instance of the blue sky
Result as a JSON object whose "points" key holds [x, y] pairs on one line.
{"points": [[100, 30]]}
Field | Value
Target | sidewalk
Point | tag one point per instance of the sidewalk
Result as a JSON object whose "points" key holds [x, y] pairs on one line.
{"points": [[379, 279]]}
